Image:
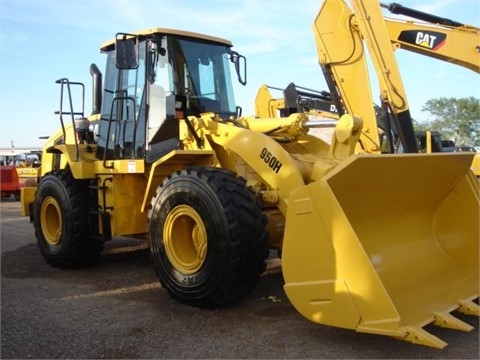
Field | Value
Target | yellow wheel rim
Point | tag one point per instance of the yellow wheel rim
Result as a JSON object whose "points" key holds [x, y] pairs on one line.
{"points": [[185, 239], [51, 220]]}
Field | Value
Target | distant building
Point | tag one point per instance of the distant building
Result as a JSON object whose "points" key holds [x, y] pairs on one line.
{"points": [[15, 156]]}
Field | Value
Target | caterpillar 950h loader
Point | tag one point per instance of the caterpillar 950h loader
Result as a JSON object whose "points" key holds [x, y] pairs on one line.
{"points": [[383, 244]]}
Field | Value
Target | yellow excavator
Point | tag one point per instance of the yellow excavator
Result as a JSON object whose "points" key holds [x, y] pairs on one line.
{"points": [[345, 70], [382, 244], [345, 67]]}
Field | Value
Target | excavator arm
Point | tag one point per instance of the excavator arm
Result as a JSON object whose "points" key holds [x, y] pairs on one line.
{"points": [[345, 67], [442, 39], [364, 26]]}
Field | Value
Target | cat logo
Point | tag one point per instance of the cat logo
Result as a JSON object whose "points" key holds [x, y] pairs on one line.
{"points": [[431, 40]]}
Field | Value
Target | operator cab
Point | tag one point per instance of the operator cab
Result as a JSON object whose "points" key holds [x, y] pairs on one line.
{"points": [[155, 78]]}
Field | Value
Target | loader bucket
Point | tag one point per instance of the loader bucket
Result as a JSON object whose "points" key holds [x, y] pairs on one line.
{"points": [[386, 244]]}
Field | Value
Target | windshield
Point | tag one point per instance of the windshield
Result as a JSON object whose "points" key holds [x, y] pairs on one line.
{"points": [[140, 103], [201, 72]]}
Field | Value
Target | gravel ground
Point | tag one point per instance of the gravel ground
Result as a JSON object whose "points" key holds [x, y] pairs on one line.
{"points": [[118, 310]]}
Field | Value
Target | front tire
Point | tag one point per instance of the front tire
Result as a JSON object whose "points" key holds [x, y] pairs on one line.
{"points": [[61, 221], [207, 237]]}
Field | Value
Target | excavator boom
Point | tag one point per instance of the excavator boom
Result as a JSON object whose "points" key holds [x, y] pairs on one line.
{"points": [[345, 67], [439, 38], [365, 28]]}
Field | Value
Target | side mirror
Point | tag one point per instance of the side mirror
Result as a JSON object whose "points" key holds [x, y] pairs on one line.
{"points": [[240, 66], [126, 51]]}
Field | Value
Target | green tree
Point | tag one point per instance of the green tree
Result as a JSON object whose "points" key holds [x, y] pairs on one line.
{"points": [[456, 119]]}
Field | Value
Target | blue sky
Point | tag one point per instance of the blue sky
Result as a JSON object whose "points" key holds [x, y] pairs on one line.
{"points": [[44, 40]]}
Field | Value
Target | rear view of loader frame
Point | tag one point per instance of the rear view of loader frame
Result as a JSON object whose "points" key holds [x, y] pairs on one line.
{"points": [[382, 244]]}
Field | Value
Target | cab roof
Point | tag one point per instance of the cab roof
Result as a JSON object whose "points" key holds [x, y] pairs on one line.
{"points": [[109, 45]]}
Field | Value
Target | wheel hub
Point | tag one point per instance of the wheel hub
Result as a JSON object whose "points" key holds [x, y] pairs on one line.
{"points": [[185, 239], [51, 220]]}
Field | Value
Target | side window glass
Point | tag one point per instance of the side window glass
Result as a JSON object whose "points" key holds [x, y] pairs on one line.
{"points": [[207, 79]]}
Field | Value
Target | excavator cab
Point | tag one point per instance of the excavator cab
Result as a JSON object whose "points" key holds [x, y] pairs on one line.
{"points": [[155, 78]]}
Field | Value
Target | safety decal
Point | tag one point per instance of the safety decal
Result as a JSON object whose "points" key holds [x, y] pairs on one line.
{"points": [[431, 40]]}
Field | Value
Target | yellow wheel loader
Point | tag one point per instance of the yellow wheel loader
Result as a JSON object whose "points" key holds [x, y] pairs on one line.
{"points": [[383, 244]]}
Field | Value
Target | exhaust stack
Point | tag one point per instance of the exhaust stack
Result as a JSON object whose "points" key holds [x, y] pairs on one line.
{"points": [[96, 89]]}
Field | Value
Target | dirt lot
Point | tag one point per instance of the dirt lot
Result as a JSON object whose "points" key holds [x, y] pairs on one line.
{"points": [[117, 309]]}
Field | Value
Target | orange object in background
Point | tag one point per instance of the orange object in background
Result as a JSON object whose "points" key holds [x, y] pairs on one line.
{"points": [[9, 182]]}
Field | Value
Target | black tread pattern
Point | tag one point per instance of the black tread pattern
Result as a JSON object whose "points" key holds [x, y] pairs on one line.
{"points": [[76, 248], [242, 253]]}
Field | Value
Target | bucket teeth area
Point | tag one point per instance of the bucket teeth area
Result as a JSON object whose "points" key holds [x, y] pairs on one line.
{"points": [[446, 320], [443, 319], [420, 336], [469, 308]]}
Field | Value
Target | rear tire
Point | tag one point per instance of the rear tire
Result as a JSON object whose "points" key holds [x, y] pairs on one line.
{"points": [[61, 221], [207, 237]]}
